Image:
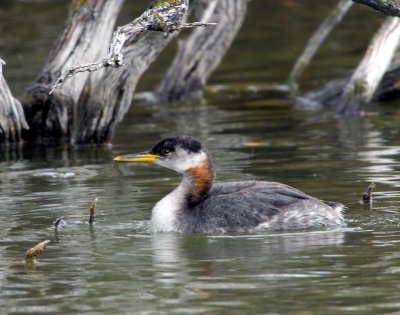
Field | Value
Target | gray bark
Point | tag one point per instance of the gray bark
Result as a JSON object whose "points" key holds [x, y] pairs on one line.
{"points": [[389, 88], [86, 36], [329, 94], [109, 97], [12, 118], [376, 61], [200, 54], [88, 108], [162, 16], [374, 78]]}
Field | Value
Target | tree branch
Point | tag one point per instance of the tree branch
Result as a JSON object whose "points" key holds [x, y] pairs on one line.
{"points": [[163, 16], [108, 96], [387, 7]]}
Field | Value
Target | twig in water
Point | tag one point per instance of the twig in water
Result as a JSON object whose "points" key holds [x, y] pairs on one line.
{"points": [[35, 250], [367, 196], [91, 211], [59, 222]]}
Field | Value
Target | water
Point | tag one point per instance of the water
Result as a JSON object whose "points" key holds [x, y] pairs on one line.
{"points": [[117, 266]]}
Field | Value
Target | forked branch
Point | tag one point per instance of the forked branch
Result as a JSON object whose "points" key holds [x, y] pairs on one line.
{"points": [[162, 16]]}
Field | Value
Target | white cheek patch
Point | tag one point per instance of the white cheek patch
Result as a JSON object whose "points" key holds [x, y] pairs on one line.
{"points": [[181, 160]]}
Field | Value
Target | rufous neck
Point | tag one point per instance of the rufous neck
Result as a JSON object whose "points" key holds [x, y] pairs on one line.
{"points": [[198, 181]]}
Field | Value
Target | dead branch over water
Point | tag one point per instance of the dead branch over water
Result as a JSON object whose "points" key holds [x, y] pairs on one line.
{"points": [[387, 7], [87, 109], [165, 16]]}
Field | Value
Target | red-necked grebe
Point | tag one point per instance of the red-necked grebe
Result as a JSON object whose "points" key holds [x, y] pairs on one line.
{"points": [[198, 206]]}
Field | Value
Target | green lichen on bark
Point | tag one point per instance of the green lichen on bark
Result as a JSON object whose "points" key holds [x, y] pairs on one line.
{"points": [[166, 14], [360, 86], [75, 4], [165, 3], [163, 16]]}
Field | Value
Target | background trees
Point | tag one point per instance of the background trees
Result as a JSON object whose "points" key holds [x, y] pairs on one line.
{"points": [[87, 108]]}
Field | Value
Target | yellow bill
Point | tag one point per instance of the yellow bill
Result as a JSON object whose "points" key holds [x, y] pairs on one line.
{"points": [[146, 157]]}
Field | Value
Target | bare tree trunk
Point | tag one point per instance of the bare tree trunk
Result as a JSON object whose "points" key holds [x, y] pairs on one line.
{"points": [[12, 118], [365, 79], [87, 34], [350, 94], [200, 54], [109, 97], [326, 96], [389, 88], [162, 16], [88, 108]]}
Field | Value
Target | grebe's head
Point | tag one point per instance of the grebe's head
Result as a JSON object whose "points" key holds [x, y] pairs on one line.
{"points": [[181, 153]]}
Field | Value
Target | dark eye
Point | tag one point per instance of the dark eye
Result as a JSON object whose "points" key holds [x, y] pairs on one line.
{"points": [[165, 152]]}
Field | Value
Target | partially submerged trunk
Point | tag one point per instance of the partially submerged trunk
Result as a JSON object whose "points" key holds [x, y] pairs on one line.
{"points": [[108, 98], [389, 88], [200, 54], [86, 109], [328, 95], [350, 95], [12, 118], [376, 61], [51, 117]]}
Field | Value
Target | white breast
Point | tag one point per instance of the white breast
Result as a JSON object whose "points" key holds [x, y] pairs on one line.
{"points": [[164, 216]]}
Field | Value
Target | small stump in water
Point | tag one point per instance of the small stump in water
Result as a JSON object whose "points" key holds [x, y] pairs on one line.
{"points": [[91, 211], [367, 196], [30, 255]]}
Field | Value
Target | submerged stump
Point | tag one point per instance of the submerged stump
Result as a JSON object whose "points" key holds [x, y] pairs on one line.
{"points": [[350, 94], [12, 117], [52, 117], [87, 109], [200, 54]]}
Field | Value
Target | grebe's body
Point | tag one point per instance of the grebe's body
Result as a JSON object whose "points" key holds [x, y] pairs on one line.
{"points": [[198, 206]]}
